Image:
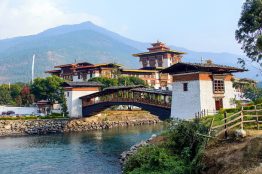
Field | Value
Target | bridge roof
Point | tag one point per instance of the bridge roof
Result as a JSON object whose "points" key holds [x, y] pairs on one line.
{"points": [[111, 90], [153, 91]]}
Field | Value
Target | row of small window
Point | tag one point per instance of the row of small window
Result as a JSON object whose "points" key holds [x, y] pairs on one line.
{"points": [[145, 76], [218, 86], [67, 77], [84, 76]]}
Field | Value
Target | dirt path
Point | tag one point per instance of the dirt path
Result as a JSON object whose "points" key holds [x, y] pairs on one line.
{"points": [[242, 156]]}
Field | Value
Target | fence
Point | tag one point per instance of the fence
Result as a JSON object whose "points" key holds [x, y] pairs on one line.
{"points": [[204, 112], [240, 119]]}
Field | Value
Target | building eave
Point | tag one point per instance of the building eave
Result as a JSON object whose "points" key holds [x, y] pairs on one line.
{"points": [[157, 52], [182, 67], [138, 70]]}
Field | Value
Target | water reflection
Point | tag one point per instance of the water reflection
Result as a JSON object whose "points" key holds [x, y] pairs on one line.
{"points": [[89, 152]]}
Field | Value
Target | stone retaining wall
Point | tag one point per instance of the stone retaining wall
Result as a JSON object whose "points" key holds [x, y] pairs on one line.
{"points": [[30, 127], [24, 127], [81, 125]]}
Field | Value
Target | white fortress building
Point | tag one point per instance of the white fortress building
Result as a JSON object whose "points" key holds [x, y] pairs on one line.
{"points": [[201, 86], [73, 92]]}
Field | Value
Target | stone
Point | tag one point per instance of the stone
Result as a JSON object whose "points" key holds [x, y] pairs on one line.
{"points": [[240, 133], [7, 126]]}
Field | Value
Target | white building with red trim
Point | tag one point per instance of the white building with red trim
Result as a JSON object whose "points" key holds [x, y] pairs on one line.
{"points": [[73, 92], [201, 87]]}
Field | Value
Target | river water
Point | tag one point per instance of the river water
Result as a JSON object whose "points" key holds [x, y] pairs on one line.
{"points": [[75, 153]]}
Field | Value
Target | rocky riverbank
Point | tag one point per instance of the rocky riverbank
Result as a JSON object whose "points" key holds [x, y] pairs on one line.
{"points": [[105, 120], [126, 154]]}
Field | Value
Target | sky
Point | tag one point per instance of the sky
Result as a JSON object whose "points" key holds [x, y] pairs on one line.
{"points": [[199, 25]]}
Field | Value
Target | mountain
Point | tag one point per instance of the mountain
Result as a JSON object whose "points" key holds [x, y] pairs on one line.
{"points": [[80, 42]]}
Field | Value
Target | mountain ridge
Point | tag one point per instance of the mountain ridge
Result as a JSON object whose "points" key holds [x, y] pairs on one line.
{"points": [[83, 42]]}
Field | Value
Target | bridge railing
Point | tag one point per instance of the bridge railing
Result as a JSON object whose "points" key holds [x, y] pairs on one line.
{"points": [[135, 100]]}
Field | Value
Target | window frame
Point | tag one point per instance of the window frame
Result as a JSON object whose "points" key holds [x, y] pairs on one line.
{"points": [[218, 86], [185, 87]]}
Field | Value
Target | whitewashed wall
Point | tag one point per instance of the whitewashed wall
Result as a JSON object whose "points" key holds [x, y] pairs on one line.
{"points": [[166, 62], [229, 95], [74, 104], [206, 96], [88, 77], [75, 79], [185, 103]]}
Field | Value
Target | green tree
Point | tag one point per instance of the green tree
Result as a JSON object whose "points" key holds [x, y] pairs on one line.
{"points": [[127, 81], [120, 81], [253, 93], [5, 96], [48, 88], [249, 31], [15, 90], [107, 82]]}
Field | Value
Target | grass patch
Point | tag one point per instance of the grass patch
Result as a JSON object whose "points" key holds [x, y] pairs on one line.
{"points": [[32, 117]]}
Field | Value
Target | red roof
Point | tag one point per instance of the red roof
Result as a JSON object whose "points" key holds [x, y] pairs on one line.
{"points": [[73, 64], [182, 67], [53, 71]]}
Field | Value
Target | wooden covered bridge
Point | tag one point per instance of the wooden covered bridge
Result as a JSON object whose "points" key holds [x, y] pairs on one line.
{"points": [[156, 101]]}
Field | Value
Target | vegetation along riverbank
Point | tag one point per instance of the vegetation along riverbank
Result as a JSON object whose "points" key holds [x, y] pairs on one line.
{"points": [[187, 147], [177, 150]]}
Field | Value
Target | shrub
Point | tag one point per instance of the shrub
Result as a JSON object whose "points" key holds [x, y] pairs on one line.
{"points": [[258, 101], [231, 110], [185, 138], [153, 159], [180, 154]]}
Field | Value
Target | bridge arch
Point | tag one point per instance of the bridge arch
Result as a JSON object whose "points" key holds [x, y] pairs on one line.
{"points": [[157, 102]]}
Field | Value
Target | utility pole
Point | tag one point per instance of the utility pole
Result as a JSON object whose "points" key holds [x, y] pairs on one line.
{"points": [[33, 68]]}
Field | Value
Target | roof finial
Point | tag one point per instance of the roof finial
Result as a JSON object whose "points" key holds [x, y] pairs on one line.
{"points": [[202, 59], [209, 62]]}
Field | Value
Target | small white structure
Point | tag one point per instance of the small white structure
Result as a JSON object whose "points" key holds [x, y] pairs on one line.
{"points": [[240, 85], [73, 92], [199, 87], [19, 110]]}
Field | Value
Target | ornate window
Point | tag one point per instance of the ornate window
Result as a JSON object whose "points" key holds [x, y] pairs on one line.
{"points": [[144, 62], [163, 83], [160, 62], [218, 86], [152, 62], [84, 75]]}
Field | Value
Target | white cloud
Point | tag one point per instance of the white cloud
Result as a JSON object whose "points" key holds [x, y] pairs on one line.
{"points": [[33, 16]]}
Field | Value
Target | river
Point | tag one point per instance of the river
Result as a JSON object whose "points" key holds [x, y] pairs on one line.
{"points": [[93, 152]]}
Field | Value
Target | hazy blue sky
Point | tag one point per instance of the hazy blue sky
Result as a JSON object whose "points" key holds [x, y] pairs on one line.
{"points": [[201, 25]]}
